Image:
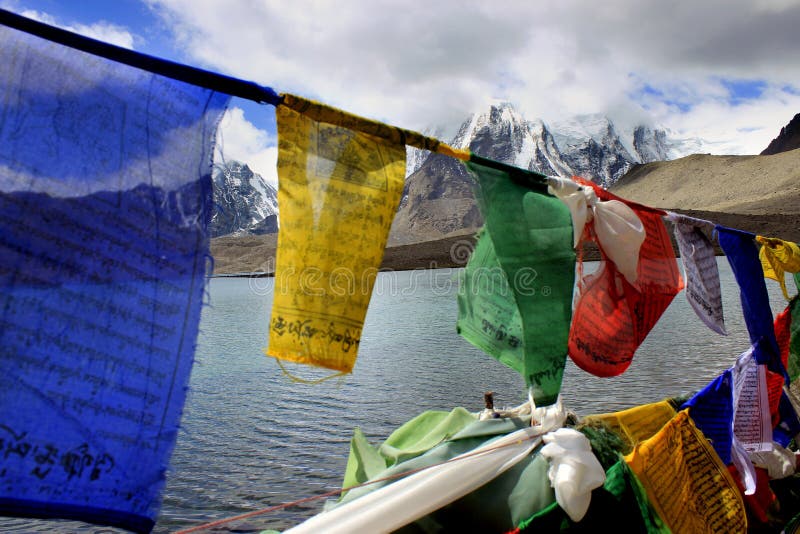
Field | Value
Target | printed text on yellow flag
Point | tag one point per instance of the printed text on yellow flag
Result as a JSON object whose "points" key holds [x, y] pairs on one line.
{"points": [[686, 482], [337, 194]]}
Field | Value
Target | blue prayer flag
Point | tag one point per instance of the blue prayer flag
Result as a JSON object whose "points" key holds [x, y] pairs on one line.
{"points": [[105, 197], [742, 252], [711, 409]]}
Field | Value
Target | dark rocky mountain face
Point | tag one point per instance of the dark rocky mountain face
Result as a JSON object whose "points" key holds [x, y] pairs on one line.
{"points": [[244, 203], [438, 200], [788, 139]]}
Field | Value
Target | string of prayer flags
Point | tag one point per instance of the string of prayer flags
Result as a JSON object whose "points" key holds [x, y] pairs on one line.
{"points": [[391, 135], [700, 269], [686, 482], [714, 410], [105, 201], [733, 413], [338, 191], [742, 254], [614, 314], [515, 297], [777, 258]]}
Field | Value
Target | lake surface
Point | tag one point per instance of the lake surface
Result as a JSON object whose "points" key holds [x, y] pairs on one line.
{"points": [[253, 438]]}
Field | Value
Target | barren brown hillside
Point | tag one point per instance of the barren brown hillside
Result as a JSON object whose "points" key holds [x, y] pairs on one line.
{"points": [[756, 185]]}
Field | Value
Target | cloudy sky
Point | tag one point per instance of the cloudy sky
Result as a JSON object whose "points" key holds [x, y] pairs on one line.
{"points": [[726, 71]]}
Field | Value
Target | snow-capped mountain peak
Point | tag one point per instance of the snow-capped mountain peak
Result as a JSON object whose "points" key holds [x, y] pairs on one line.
{"points": [[589, 145], [244, 203]]}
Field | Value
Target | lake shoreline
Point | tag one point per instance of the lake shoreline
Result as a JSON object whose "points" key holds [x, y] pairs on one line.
{"points": [[254, 256]]}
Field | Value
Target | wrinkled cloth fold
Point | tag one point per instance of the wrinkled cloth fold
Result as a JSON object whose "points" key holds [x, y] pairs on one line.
{"points": [[619, 230], [700, 268], [338, 192], [515, 295], [391, 506], [779, 257], [779, 462], [574, 470]]}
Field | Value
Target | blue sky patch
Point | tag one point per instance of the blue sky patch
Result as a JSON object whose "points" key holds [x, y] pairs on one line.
{"points": [[740, 91]]}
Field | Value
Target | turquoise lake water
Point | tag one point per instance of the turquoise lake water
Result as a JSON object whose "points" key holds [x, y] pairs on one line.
{"points": [[252, 438]]}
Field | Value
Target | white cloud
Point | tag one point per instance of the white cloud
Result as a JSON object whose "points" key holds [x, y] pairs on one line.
{"points": [[417, 64], [102, 30], [238, 139], [746, 128]]}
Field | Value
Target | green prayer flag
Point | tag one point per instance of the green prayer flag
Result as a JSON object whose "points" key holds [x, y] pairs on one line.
{"points": [[515, 297]]}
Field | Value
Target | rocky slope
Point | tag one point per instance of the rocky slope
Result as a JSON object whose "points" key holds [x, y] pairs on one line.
{"points": [[788, 139], [757, 185]]}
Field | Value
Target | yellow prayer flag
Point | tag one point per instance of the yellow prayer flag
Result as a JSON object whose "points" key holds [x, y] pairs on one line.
{"points": [[777, 258], [686, 482], [636, 424], [338, 191]]}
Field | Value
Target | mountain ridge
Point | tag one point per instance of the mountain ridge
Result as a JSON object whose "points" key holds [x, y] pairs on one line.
{"points": [[438, 198], [244, 203]]}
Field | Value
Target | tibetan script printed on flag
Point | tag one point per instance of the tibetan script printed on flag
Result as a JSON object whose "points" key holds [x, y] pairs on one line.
{"points": [[338, 191], [105, 197], [686, 482]]}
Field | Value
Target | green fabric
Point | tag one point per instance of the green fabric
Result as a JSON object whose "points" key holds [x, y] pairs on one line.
{"points": [[620, 504], [606, 444], [424, 432], [497, 506], [793, 367], [364, 461], [515, 299], [410, 440]]}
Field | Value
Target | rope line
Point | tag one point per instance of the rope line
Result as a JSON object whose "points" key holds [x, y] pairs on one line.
{"points": [[342, 490], [163, 67]]}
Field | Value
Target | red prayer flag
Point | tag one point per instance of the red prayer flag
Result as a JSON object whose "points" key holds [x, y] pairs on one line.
{"points": [[613, 317]]}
